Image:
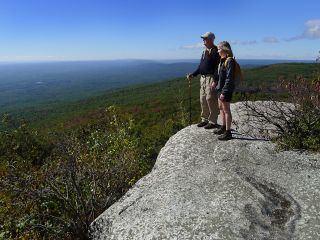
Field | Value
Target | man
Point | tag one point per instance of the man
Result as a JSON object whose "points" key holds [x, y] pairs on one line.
{"points": [[209, 76]]}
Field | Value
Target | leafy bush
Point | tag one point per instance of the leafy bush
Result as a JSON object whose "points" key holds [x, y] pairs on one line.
{"points": [[296, 125], [61, 193], [22, 152], [303, 132], [55, 189]]}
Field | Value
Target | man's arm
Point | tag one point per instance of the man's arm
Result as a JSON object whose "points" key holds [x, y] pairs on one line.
{"points": [[216, 73], [197, 71], [194, 74]]}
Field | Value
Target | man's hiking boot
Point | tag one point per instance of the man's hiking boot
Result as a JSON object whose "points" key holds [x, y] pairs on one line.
{"points": [[220, 131], [227, 135], [211, 125], [202, 124]]}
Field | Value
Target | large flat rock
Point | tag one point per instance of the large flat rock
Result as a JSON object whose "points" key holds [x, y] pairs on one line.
{"points": [[202, 188]]}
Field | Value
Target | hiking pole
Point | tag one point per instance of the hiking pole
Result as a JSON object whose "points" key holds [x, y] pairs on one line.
{"points": [[189, 101]]}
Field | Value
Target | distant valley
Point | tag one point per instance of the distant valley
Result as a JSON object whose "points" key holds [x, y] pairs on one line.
{"points": [[25, 84], [28, 84]]}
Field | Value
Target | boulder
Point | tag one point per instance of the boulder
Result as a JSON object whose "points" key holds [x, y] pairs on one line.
{"points": [[202, 188]]}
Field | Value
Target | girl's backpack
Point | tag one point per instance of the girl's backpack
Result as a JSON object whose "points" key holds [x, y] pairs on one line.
{"points": [[238, 77]]}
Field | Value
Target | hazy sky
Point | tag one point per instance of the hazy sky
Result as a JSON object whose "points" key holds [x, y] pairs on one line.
{"points": [[164, 29]]}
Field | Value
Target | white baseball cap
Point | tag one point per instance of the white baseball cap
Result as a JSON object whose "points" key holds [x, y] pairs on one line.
{"points": [[208, 35]]}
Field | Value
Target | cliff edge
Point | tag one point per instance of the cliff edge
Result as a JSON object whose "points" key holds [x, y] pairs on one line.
{"points": [[202, 188]]}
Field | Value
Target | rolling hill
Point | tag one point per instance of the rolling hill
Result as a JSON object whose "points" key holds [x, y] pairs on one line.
{"points": [[159, 96]]}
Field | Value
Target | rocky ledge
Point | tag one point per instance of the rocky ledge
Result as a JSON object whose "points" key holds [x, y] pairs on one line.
{"points": [[201, 188]]}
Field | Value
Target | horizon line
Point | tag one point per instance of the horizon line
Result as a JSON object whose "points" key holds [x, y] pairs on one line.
{"points": [[141, 59]]}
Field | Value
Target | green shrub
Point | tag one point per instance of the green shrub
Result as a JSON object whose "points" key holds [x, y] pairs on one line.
{"points": [[303, 132], [55, 189], [84, 173]]}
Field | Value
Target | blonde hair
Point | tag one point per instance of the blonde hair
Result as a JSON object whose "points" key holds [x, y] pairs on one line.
{"points": [[225, 46]]}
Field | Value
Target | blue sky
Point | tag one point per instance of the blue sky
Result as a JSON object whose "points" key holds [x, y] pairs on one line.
{"points": [[45, 30]]}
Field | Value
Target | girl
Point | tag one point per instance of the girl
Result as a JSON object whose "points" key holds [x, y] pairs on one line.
{"points": [[224, 88]]}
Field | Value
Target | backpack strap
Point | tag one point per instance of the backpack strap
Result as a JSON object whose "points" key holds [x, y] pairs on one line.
{"points": [[203, 54], [226, 61]]}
